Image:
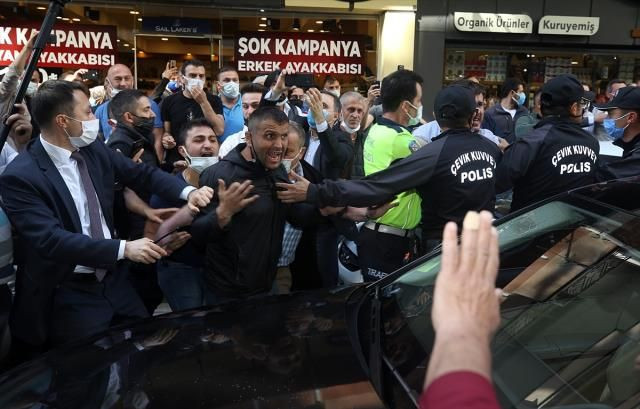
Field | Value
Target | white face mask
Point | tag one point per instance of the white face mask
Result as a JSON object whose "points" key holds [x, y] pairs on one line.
{"points": [[231, 90], [200, 163], [90, 131], [194, 83], [288, 163], [334, 92], [349, 130], [32, 88], [415, 120]]}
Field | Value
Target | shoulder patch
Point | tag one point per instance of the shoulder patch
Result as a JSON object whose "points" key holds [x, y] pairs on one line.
{"points": [[414, 146]]}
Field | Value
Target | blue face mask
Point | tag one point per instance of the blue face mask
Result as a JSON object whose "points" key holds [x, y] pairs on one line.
{"points": [[312, 122], [173, 86], [521, 98], [610, 126]]}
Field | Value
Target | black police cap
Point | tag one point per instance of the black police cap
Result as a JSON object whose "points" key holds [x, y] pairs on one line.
{"points": [[626, 98], [562, 91], [454, 102]]}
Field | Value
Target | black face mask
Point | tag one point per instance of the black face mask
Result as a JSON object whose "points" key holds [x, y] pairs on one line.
{"points": [[144, 125], [296, 103]]}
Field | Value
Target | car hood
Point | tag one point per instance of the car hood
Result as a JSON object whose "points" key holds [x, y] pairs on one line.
{"points": [[288, 351]]}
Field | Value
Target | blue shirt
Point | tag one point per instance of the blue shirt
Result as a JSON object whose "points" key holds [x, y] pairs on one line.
{"points": [[233, 120], [102, 113]]}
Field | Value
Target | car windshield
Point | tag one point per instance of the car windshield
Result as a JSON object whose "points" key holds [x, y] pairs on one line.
{"points": [[570, 331]]}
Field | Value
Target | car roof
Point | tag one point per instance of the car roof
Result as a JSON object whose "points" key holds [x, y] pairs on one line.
{"points": [[622, 194]]}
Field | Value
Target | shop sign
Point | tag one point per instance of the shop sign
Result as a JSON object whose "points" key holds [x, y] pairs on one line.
{"points": [[569, 25], [301, 52], [176, 26], [493, 23], [76, 46]]}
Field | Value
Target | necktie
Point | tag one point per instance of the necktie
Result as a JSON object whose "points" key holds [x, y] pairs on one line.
{"points": [[95, 224]]}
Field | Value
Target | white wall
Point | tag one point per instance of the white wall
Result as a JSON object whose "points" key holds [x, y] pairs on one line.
{"points": [[396, 42]]}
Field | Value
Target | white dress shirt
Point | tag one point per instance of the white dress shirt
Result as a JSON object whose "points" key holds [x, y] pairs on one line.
{"points": [[68, 169], [432, 129], [231, 142]]}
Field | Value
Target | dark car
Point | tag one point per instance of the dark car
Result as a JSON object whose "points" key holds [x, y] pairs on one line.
{"points": [[569, 338]]}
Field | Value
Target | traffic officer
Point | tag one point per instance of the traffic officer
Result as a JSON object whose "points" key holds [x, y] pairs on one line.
{"points": [[624, 114], [453, 174], [386, 244], [557, 155]]}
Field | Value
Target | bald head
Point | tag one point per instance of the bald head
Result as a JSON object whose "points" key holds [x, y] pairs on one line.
{"points": [[119, 77]]}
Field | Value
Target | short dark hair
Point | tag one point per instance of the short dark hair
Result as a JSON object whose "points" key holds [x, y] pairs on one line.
{"points": [[125, 101], [252, 88], [55, 97], [266, 113], [329, 79], [472, 85], [226, 68], [194, 62], [302, 135], [454, 123], [614, 82], [548, 109], [337, 106], [510, 84], [397, 87], [194, 123]]}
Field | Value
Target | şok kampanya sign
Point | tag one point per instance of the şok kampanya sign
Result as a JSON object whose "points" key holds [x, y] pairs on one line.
{"points": [[301, 52], [76, 46]]}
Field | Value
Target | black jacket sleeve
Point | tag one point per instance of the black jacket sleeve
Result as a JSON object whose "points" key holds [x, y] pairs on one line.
{"points": [[620, 168], [336, 150], [159, 91], [205, 225], [517, 158], [380, 187]]}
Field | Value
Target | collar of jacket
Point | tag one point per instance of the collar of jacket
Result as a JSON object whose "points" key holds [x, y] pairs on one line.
{"points": [[132, 133], [627, 147], [391, 124]]}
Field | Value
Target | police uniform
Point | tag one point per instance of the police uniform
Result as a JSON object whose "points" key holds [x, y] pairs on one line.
{"points": [[558, 155], [453, 174], [386, 244], [627, 98]]}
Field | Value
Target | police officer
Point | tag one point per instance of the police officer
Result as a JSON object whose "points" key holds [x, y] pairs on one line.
{"points": [[624, 117], [557, 155], [453, 174], [386, 244]]}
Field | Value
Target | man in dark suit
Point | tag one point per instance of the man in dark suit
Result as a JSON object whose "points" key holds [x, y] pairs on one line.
{"points": [[59, 197]]}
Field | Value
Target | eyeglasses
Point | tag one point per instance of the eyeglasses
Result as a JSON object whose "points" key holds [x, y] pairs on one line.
{"points": [[584, 103]]}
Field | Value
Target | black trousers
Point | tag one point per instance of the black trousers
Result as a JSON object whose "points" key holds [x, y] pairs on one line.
{"points": [[82, 306], [380, 254]]}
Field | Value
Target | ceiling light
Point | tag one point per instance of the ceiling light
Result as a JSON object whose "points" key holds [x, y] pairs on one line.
{"points": [[65, 18], [75, 19], [59, 18], [310, 31], [188, 53], [261, 29], [296, 24], [41, 8], [135, 13], [319, 22], [118, 40], [139, 19], [164, 39], [262, 25], [263, 18], [126, 45], [261, 10]]}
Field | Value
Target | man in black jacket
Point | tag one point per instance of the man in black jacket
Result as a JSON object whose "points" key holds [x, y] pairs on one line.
{"points": [[624, 112], [558, 155], [453, 174], [244, 224], [502, 117]]}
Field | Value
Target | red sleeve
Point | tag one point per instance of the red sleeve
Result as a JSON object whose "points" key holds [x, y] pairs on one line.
{"points": [[459, 390]]}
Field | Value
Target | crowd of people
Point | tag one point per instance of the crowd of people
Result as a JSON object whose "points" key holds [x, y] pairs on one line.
{"points": [[118, 199]]}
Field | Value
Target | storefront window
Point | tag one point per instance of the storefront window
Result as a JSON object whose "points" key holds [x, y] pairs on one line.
{"points": [[536, 66]]}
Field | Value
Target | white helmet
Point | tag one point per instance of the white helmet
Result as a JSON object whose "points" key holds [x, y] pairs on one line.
{"points": [[348, 267]]}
